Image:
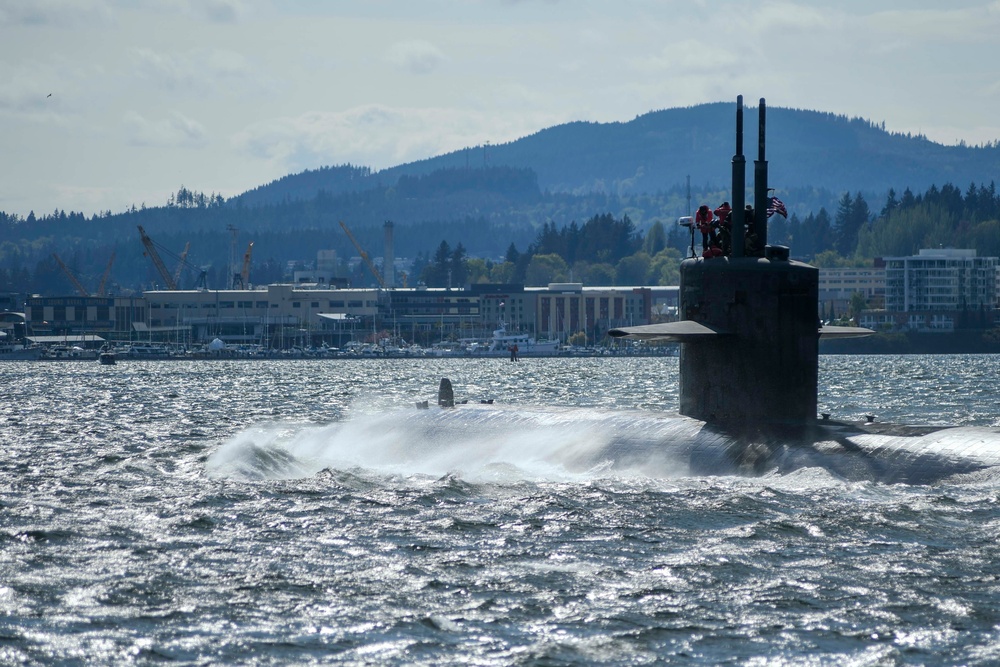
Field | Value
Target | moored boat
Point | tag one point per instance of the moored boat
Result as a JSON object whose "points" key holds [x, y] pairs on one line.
{"points": [[502, 341], [107, 357]]}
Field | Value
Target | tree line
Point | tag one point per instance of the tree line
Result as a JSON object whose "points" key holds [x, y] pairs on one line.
{"points": [[604, 250], [484, 245], [607, 250]]}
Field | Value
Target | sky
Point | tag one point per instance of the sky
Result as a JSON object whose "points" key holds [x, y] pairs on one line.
{"points": [[106, 104]]}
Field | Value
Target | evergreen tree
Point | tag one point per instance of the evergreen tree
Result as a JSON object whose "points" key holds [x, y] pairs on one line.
{"points": [[436, 273], [860, 218], [822, 232], [845, 233], [459, 272], [512, 254], [891, 204], [778, 230]]}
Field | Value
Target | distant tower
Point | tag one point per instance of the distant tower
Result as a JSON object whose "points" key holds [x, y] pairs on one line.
{"points": [[232, 271], [688, 210], [389, 260]]}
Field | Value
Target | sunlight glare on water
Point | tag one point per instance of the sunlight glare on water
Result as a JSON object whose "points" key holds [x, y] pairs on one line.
{"points": [[295, 512]]}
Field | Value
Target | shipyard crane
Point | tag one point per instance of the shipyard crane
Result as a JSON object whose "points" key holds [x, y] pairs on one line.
{"points": [[72, 278], [245, 273], [181, 264], [107, 272], [154, 257], [242, 277], [364, 255]]}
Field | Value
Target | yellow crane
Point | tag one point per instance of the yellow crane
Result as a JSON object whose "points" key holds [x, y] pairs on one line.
{"points": [[243, 277], [154, 257], [364, 255], [72, 278], [181, 264], [107, 272]]}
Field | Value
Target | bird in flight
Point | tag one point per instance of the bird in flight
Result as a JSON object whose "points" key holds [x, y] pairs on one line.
{"points": [[48, 96]]}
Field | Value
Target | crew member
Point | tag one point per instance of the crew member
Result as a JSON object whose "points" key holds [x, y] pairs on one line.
{"points": [[724, 222], [703, 220]]}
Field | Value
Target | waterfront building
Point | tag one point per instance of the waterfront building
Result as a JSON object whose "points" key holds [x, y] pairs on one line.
{"points": [[287, 315], [838, 285], [279, 316], [937, 290], [432, 314], [563, 309], [940, 279], [112, 317]]}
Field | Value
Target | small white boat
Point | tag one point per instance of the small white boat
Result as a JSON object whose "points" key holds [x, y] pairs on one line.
{"points": [[502, 341], [148, 350], [67, 352]]}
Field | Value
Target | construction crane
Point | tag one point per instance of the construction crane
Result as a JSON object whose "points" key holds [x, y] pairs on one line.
{"points": [[245, 273], [181, 264], [72, 278], [154, 257], [242, 277], [107, 272], [364, 255]]}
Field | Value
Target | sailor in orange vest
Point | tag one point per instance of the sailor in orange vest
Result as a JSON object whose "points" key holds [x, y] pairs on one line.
{"points": [[703, 220]]}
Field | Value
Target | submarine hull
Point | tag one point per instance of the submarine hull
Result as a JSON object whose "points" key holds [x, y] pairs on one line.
{"points": [[674, 445]]}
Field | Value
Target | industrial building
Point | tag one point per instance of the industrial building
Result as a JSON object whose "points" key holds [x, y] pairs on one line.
{"points": [[285, 315]]}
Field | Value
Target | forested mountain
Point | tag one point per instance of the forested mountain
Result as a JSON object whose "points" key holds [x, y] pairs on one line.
{"points": [[525, 195], [657, 151]]}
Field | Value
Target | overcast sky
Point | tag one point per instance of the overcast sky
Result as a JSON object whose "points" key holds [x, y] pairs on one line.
{"points": [[109, 103]]}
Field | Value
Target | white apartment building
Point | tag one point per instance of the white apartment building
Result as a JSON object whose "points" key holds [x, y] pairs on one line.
{"points": [[940, 279]]}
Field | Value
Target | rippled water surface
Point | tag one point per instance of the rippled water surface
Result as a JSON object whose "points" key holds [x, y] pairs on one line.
{"points": [[141, 521]]}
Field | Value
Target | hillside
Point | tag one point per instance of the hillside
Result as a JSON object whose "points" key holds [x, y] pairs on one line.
{"points": [[489, 198], [659, 150]]}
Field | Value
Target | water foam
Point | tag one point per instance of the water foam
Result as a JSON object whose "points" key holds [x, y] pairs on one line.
{"points": [[403, 443]]}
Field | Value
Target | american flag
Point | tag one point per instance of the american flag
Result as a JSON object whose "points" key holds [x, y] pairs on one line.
{"points": [[777, 206]]}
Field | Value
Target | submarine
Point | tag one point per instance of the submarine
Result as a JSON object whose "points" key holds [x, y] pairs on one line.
{"points": [[749, 357]]}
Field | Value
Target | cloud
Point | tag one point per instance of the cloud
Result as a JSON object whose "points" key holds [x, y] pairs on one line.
{"points": [[223, 11], [689, 57], [200, 69], [376, 136], [58, 13], [28, 83], [951, 24], [415, 56], [172, 131]]}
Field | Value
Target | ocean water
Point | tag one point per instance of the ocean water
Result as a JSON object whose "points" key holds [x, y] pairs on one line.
{"points": [[265, 513]]}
